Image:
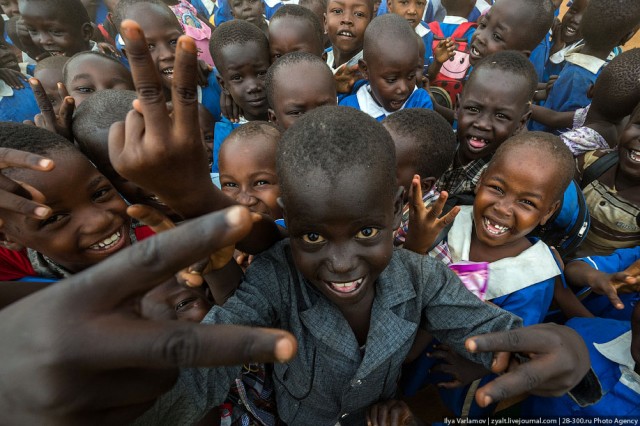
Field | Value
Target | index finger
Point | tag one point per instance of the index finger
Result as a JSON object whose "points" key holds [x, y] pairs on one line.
{"points": [[145, 78], [48, 114], [184, 91], [517, 340], [16, 158]]}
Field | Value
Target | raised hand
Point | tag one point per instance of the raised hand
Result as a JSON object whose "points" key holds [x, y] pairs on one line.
{"points": [[627, 281], [425, 223], [559, 360], [346, 77], [13, 78], [445, 50], [58, 122], [81, 352]]}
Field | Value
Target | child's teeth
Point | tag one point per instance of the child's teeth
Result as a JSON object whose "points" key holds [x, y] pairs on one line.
{"points": [[634, 155], [107, 242], [346, 287], [494, 228]]}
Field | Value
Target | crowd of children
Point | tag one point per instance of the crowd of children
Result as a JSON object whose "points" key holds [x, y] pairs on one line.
{"points": [[412, 174]]}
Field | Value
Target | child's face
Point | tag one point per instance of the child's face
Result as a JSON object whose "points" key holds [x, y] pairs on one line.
{"points": [[298, 90], [88, 223], [345, 22], [162, 32], [10, 7], [493, 107], [49, 79], [50, 31], [629, 149], [570, 32], [248, 174], [289, 34], [243, 71], [207, 123], [503, 27], [341, 231], [247, 10], [411, 10], [511, 200], [91, 73], [171, 301], [391, 72]]}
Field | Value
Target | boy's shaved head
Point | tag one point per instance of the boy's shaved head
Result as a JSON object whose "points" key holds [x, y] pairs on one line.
{"points": [[335, 139], [235, 32], [88, 53], [32, 139], [617, 89], [297, 11], [606, 22], [433, 137], [120, 14], [546, 145], [513, 62], [540, 15], [386, 28], [52, 62], [71, 11], [286, 62], [247, 131]]}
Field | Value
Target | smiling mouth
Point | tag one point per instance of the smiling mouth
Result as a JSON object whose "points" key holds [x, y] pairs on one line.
{"points": [[474, 51], [494, 228], [570, 30], [168, 72], [345, 33], [634, 155], [345, 287], [111, 243], [477, 143]]}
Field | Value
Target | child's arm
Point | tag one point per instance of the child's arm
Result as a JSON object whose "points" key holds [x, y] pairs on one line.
{"points": [[92, 320], [551, 118], [164, 154], [392, 412], [579, 273], [425, 223], [568, 303], [461, 369], [445, 50]]}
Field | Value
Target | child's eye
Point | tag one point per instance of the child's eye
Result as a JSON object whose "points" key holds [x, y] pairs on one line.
{"points": [[84, 89], [295, 113], [528, 203], [496, 188], [360, 14], [261, 183], [497, 37], [101, 194], [151, 46], [502, 116], [336, 11], [390, 80], [229, 185], [236, 77], [52, 220], [184, 303], [313, 238], [367, 232], [262, 74], [276, 56], [57, 33], [472, 109], [174, 42]]}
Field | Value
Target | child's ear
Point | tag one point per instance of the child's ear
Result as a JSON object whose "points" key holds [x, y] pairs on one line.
{"points": [[8, 243], [523, 120], [222, 84], [362, 67], [526, 53], [389, 6], [590, 91], [427, 184], [87, 31], [324, 23], [272, 118], [397, 207], [550, 213]]}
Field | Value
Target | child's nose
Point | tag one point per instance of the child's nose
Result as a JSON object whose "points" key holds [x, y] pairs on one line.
{"points": [[340, 260], [97, 221], [246, 199], [165, 53]]}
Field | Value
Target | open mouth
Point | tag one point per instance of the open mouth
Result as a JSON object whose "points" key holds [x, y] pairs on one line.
{"points": [[395, 105], [55, 52], [474, 51], [494, 228], [345, 33], [634, 155], [570, 31], [476, 143], [168, 73], [345, 287], [110, 244]]}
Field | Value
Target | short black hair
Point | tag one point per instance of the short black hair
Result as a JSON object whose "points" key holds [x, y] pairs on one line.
{"points": [[303, 13], [257, 127], [65, 69], [237, 32], [386, 27], [539, 16], [32, 139], [120, 13], [52, 62], [617, 89], [431, 133], [513, 62], [606, 22], [95, 115], [308, 3], [72, 11], [286, 61], [334, 139], [543, 143]]}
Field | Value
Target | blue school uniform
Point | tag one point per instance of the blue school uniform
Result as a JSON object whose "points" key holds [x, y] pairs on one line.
{"points": [[209, 95], [619, 260], [434, 11], [17, 105], [363, 100], [570, 90], [223, 128], [609, 344], [480, 8], [513, 285], [422, 29], [540, 56]]}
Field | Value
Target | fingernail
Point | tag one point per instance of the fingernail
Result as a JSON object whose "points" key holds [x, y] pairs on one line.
{"points": [[130, 31], [34, 81], [41, 211], [471, 346], [45, 162], [233, 216], [487, 400], [284, 350], [187, 44]]}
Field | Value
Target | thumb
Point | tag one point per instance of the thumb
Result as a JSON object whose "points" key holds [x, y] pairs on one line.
{"points": [[612, 294]]}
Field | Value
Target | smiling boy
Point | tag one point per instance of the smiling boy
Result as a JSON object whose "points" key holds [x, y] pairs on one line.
{"points": [[345, 22]]}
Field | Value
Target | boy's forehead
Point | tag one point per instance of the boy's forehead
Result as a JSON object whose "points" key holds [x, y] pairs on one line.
{"points": [[352, 3], [242, 54]]}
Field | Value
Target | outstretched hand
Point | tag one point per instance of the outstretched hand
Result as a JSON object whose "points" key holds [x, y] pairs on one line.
{"points": [[445, 50], [559, 360], [81, 352], [425, 223], [627, 281], [57, 122], [346, 77]]}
